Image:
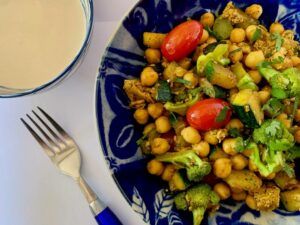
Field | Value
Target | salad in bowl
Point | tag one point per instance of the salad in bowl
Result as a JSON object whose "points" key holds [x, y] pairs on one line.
{"points": [[219, 105]]}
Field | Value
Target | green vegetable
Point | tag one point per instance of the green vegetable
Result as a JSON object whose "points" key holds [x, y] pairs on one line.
{"points": [[210, 48], [244, 79], [257, 35], [285, 84], [207, 88], [291, 199], [293, 153], [222, 115], [276, 139], [196, 200], [181, 108], [182, 81], [273, 107], [222, 27], [173, 119], [246, 104], [140, 140], [219, 75], [179, 181], [212, 33], [219, 92], [234, 132], [163, 91], [278, 41], [195, 168], [217, 55]]}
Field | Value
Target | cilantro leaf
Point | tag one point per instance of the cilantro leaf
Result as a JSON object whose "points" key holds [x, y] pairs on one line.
{"points": [[234, 132], [222, 115], [278, 41], [288, 170], [173, 119], [273, 128], [163, 91], [209, 70], [257, 35], [182, 81]]}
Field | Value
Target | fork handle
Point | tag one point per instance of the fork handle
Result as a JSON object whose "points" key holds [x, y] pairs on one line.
{"points": [[104, 216]]}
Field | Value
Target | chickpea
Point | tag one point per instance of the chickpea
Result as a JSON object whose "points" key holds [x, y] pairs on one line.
{"points": [[191, 77], [254, 58], [255, 75], [252, 166], [149, 76], [155, 110], [155, 167], [211, 40], [162, 124], [229, 146], [179, 71], [141, 116], [239, 196], [295, 60], [222, 167], [185, 63], [191, 135], [250, 201], [211, 138], [237, 35], [222, 190], [204, 37], [276, 28], [254, 11], [264, 96], [168, 172], [218, 154], [236, 190], [297, 136], [297, 115], [245, 47], [283, 117], [235, 54], [207, 19], [235, 123], [250, 30], [239, 162], [202, 149], [159, 146], [147, 129], [152, 55]]}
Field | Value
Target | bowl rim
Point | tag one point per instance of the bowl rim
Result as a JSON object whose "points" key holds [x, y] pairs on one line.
{"points": [[70, 67]]}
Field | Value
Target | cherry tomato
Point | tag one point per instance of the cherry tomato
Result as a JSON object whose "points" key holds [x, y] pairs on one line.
{"points": [[182, 40], [209, 114]]}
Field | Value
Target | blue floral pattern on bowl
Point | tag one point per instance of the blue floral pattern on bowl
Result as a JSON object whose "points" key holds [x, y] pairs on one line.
{"points": [[118, 132]]}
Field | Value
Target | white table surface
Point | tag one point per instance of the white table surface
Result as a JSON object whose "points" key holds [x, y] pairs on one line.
{"points": [[32, 192]]}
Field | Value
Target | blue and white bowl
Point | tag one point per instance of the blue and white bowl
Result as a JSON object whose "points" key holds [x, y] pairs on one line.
{"points": [[118, 132]]}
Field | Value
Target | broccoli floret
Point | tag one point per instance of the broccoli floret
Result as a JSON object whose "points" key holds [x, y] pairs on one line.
{"points": [[197, 199], [195, 168], [284, 84], [276, 139]]}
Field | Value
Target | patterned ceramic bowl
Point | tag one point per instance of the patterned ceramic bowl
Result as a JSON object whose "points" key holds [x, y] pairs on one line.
{"points": [[118, 132]]}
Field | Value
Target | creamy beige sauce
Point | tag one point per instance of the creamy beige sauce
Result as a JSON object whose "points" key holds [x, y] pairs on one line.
{"points": [[38, 40]]}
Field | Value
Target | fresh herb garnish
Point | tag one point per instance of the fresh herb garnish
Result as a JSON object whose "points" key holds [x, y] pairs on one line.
{"points": [[182, 81], [234, 51], [278, 41], [212, 33], [173, 119], [288, 170], [163, 91], [295, 106], [273, 107], [222, 115], [194, 91], [257, 35], [209, 70], [234, 132]]}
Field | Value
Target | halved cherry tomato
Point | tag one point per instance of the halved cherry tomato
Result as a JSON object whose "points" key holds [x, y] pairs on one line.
{"points": [[182, 40], [209, 114]]}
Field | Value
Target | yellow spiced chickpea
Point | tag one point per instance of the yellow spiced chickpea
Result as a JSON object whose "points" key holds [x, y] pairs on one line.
{"points": [[155, 167], [152, 55], [141, 116], [162, 124], [237, 35], [207, 19], [149, 76]]}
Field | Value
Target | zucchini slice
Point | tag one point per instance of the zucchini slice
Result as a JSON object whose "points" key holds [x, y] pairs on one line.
{"points": [[246, 104]]}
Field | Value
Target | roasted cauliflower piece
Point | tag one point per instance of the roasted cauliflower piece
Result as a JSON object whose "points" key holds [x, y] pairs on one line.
{"points": [[267, 197]]}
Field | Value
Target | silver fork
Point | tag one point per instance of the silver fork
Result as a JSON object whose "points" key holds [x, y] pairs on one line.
{"points": [[65, 155]]}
